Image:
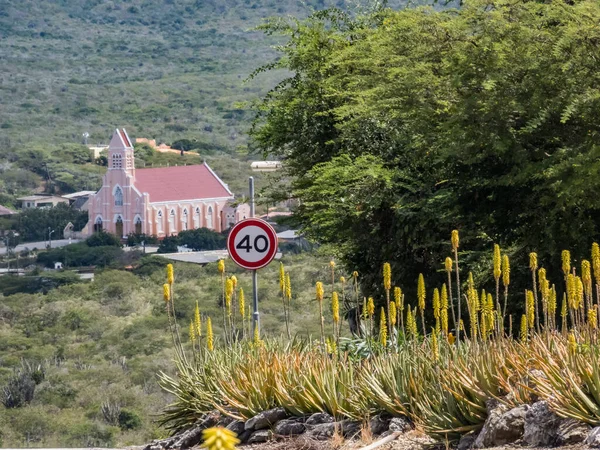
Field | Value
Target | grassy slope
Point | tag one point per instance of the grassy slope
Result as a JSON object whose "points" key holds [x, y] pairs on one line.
{"points": [[106, 340]]}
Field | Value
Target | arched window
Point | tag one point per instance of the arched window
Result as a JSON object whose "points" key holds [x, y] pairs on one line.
{"points": [[184, 219], [209, 218], [138, 225], [197, 218], [98, 224], [159, 222], [119, 226], [172, 221], [118, 196]]}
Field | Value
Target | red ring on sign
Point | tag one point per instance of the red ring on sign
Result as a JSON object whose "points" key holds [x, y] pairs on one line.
{"points": [[271, 238]]}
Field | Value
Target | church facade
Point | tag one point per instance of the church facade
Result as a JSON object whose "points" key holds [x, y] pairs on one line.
{"points": [[159, 201]]}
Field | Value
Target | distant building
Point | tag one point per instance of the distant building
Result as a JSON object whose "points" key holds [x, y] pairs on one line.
{"points": [[41, 201], [97, 149], [5, 212], [79, 200], [266, 166], [161, 201]]}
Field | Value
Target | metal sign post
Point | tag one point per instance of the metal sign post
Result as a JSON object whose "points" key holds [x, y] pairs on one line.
{"points": [[255, 315]]}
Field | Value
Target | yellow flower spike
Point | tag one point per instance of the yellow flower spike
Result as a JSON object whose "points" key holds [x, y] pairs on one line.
{"points": [[256, 339], [355, 275], [436, 303], [454, 239], [218, 438], [365, 313], [444, 309], [398, 298], [524, 327], [242, 303], [595, 250], [571, 290], [593, 318], [166, 293], [434, 346], [448, 264], [572, 343], [505, 271], [382, 329], [192, 332], [421, 292], [371, 307], [461, 325], [228, 294], [387, 276], [281, 277], [170, 275], [563, 309], [578, 293], [533, 261], [566, 262], [530, 308], [451, 339], [552, 301], [209, 335], [586, 276], [319, 291], [393, 313], [596, 261], [234, 280], [490, 308], [342, 280], [411, 323], [197, 321], [328, 346], [497, 262], [221, 266], [332, 264], [288, 286], [335, 307]]}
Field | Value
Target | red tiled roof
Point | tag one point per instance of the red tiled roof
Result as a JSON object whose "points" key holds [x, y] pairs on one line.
{"points": [[124, 137], [180, 183]]}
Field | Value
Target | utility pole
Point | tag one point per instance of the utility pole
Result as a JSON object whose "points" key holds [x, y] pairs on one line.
{"points": [[50, 237]]}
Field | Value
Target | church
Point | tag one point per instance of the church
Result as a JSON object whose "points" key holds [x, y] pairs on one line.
{"points": [[159, 201]]}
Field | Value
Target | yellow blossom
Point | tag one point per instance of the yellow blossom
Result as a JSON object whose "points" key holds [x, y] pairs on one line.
{"points": [[281, 277], [533, 262], [572, 344], [398, 298], [505, 270], [393, 313], [209, 335], [451, 339], [170, 275], [448, 264], [497, 262], [320, 292], [242, 303], [288, 286], [387, 276], [382, 329], [218, 438], [421, 292], [371, 307], [566, 262], [221, 266], [530, 308], [166, 293], [523, 328], [335, 307], [454, 239], [197, 321]]}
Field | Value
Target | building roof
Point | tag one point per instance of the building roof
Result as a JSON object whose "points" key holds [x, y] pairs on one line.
{"points": [[33, 198], [166, 184], [78, 194], [4, 211]]}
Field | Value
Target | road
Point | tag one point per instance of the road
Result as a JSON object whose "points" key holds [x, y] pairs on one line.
{"points": [[40, 245]]}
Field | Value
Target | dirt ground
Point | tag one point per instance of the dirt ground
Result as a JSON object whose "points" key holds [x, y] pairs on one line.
{"points": [[409, 441]]}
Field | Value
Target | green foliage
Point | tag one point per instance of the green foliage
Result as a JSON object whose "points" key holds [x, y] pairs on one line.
{"points": [[76, 255], [32, 224], [202, 239], [103, 238], [482, 118]]}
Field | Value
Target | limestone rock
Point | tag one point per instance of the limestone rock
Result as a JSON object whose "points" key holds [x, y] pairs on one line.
{"points": [[350, 428], [244, 436], [379, 424], [541, 425], [265, 419], [260, 436], [318, 418], [502, 426], [289, 427], [401, 424], [593, 439], [237, 426], [466, 442], [571, 431], [322, 431]]}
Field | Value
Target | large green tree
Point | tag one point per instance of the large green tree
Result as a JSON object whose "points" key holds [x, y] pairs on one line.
{"points": [[397, 127]]}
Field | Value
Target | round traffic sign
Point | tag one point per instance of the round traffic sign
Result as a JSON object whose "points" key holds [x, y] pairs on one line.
{"points": [[252, 243]]}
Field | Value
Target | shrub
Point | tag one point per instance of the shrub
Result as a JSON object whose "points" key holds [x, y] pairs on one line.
{"points": [[103, 238]]}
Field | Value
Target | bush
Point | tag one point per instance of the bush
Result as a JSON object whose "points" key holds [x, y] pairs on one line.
{"points": [[202, 239], [101, 239], [129, 420]]}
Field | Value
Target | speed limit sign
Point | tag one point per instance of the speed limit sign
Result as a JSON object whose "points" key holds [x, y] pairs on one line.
{"points": [[252, 243]]}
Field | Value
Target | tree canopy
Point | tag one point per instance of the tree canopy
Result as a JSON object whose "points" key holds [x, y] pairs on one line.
{"points": [[399, 126]]}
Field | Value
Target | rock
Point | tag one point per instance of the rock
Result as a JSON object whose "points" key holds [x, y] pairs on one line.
{"points": [[289, 427], [260, 436], [593, 439], [265, 419], [244, 436], [379, 424], [318, 418], [350, 428], [502, 426], [466, 442], [237, 426], [540, 426], [571, 431], [401, 424], [322, 431]]}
